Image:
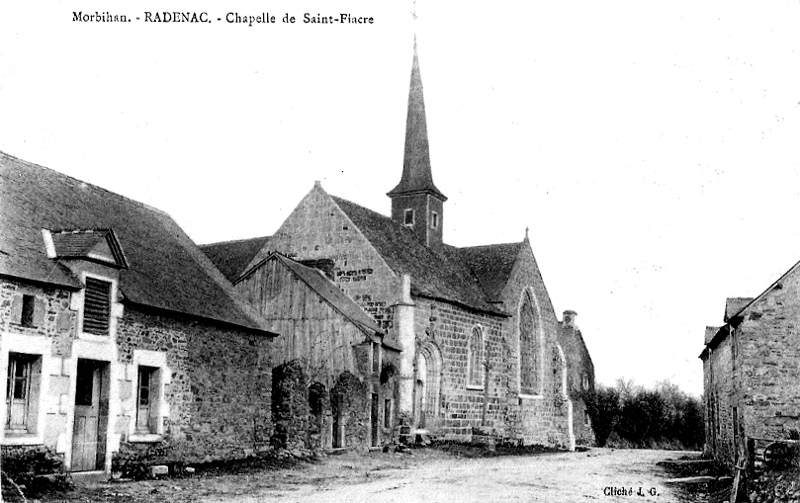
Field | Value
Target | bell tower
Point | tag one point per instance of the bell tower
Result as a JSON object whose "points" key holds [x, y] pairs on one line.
{"points": [[416, 202]]}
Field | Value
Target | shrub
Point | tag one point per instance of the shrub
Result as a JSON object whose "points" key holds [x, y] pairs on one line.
{"points": [[629, 416]]}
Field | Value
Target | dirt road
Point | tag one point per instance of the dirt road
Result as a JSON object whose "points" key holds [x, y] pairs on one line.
{"points": [[427, 475]]}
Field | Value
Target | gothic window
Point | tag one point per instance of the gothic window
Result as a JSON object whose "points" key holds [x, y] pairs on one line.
{"points": [[476, 367], [435, 220], [559, 380], [528, 348]]}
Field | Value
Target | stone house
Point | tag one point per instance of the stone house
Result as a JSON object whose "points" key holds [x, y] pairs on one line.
{"points": [[119, 339], [580, 375], [751, 367], [477, 332]]}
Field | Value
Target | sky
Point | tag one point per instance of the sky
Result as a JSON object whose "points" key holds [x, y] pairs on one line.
{"points": [[651, 148]]}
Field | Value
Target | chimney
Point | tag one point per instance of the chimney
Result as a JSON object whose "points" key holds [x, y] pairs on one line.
{"points": [[571, 319]]}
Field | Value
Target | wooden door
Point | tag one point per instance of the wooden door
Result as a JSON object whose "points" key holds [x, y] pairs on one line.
{"points": [[419, 398], [85, 436], [17, 394], [338, 427], [374, 420]]}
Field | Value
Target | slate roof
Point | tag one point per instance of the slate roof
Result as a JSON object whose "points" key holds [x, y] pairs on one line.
{"points": [[491, 264], [735, 304], [440, 276], [166, 269], [232, 257], [417, 176]]}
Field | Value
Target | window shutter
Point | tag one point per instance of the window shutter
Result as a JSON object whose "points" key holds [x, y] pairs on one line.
{"points": [[96, 306], [16, 309], [38, 312]]}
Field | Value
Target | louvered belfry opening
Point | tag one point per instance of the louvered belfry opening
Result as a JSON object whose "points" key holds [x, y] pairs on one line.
{"points": [[96, 306]]}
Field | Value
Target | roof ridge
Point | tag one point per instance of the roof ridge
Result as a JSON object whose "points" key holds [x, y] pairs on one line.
{"points": [[363, 208], [231, 241], [63, 175], [519, 243]]}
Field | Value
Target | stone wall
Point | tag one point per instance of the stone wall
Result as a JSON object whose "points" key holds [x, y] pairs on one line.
{"points": [[349, 400], [768, 362], [449, 328], [580, 381], [220, 391], [53, 317], [719, 389], [541, 419], [291, 408]]}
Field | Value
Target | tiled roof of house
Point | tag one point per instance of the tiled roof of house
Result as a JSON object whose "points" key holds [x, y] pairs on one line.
{"points": [[735, 304], [491, 264], [165, 270], [231, 257], [441, 276]]}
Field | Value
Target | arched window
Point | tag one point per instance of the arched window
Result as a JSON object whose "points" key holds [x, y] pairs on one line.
{"points": [[476, 354], [528, 348]]}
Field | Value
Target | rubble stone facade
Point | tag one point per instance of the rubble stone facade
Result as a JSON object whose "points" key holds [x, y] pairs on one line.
{"points": [[751, 368], [213, 395]]}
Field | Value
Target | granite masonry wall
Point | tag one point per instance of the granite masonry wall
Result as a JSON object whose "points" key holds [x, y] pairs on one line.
{"points": [[216, 394], [219, 397], [720, 400], [52, 316], [541, 418], [768, 363], [580, 380]]}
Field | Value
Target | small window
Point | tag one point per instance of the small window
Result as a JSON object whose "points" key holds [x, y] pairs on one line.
{"points": [[586, 420], [387, 413], [28, 306], [27, 311], [585, 382], [435, 220], [147, 401], [21, 392], [376, 358], [96, 306], [408, 218]]}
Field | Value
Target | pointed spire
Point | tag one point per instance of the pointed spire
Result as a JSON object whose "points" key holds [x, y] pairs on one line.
{"points": [[417, 176]]}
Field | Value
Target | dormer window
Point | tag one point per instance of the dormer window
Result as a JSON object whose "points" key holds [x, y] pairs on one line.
{"points": [[434, 220], [96, 306], [96, 245], [408, 217]]}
